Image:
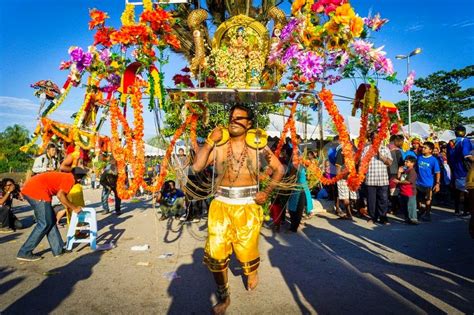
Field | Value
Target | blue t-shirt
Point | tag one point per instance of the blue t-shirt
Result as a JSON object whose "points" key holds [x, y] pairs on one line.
{"points": [[426, 167], [457, 155], [409, 152]]}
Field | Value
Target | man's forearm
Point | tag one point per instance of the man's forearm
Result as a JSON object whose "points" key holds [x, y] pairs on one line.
{"points": [[200, 162]]}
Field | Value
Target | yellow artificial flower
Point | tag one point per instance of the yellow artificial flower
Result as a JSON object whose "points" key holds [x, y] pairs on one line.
{"points": [[147, 5], [331, 27], [128, 15], [297, 5], [357, 26], [344, 14]]}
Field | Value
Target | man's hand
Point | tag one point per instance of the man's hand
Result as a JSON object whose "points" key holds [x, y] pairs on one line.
{"points": [[436, 187], [216, 134], [77, 209], [261, 197], [396, 181]]}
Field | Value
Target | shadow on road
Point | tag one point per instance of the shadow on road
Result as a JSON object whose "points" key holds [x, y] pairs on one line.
{"points": [[56, 287], [191, 293], [327, 272]]}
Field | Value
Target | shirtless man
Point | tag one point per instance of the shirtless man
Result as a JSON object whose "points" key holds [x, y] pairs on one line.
{"points": [[235, 215]]}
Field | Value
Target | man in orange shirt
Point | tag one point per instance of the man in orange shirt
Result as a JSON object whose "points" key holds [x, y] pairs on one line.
{"points": [[38, 191]]}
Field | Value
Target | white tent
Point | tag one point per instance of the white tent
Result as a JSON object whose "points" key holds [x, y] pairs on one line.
{"points": [[353, 126], [419, 128], [446, 135], [306, 131], [153, 151]]}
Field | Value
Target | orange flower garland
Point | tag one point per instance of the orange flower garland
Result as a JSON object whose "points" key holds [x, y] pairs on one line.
{"points": [[327, 98], [133, 139], [355, 180]]}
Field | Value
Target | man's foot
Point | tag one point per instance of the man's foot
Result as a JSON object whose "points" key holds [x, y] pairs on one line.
{"points": [[29, 257], [163, 217], [221, 307], [252, 281]]}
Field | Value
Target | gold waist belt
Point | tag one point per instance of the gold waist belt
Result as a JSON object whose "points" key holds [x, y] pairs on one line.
{"points": [[237, 192]]}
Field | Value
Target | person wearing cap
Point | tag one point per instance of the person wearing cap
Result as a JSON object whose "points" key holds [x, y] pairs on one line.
{"points": [[38, 191], [415, 150], [459, 159], [48, 161]]}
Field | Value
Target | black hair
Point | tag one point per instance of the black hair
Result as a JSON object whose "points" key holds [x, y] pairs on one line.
{"points": [[393, 138], [411, 158], [430, 145], [51, 145], [460, 131], [5, 181]]}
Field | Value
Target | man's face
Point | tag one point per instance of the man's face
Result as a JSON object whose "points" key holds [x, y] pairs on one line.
{"points": [[180, 152], [239, 122], [416, 145]]}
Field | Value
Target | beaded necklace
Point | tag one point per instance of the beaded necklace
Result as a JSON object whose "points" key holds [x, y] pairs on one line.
{"points": [[235, 164]]}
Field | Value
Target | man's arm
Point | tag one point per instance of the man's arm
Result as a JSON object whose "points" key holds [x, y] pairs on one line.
{"points": [[277, 174], [62, 196], [203, 156]]}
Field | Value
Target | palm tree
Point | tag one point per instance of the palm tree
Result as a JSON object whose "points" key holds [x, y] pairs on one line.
{"points": [[304, 117]]}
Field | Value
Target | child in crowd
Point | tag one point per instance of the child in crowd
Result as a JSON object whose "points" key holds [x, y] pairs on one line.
{"points": [[428, 180], [406, 181]]}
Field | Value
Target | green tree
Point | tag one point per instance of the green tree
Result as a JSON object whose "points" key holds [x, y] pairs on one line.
{"points": [[218, 114], [440, 99], [304, 116], [11, 139]]}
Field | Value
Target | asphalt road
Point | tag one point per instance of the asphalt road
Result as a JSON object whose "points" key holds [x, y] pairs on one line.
{"points": [[330, 267]]}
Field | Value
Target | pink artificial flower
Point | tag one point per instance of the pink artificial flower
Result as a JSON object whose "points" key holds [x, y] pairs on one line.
{"points": [[276, 50], [375, 23], [327, 6], [311, 65], [409, 82], [362, 47]]}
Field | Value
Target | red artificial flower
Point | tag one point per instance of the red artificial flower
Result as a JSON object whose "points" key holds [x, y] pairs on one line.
{"points": [[102, 36]]}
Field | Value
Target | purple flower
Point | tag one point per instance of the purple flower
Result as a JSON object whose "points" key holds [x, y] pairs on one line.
{"points": [[76, 53], [311, 65], [105, 56], [289, 29], [293, 52]]}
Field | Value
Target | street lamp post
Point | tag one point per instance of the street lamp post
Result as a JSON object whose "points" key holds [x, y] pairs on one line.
{"points": [[407, 57]]}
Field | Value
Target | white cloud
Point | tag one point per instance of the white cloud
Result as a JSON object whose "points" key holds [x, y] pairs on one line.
{"points": [[463, 24], [414, 28], [24, 112]]}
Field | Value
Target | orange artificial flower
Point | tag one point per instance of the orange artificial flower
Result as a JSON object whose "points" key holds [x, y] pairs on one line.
{"points": [[97, 18], [356, 26], [344, 14], [297, 5]]}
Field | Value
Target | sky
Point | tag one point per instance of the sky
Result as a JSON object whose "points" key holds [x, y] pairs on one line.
{"points": [[35, 37]]}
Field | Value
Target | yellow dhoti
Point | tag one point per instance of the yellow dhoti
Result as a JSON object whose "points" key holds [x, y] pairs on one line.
{"points": [[233, 227]]}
